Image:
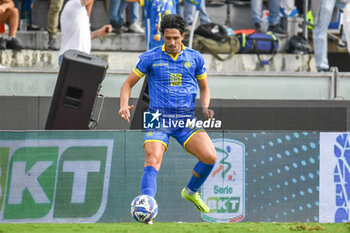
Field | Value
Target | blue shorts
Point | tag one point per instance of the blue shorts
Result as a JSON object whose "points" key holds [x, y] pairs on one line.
{"points": [[182, 135]]}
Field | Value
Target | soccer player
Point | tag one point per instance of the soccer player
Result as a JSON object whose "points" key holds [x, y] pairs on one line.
{"points": [[175, 73]]}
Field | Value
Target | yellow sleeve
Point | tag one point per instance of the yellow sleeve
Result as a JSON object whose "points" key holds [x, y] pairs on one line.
{"points": [[138, 73], [202, 76]]}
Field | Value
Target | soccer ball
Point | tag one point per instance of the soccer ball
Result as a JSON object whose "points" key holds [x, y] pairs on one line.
{"points": [[144, 208]]}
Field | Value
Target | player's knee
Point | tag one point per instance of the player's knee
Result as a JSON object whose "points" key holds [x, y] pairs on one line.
{"points": [[211, 157]]}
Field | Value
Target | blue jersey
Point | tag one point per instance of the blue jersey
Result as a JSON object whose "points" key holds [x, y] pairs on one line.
{"points": [[172, 80]]}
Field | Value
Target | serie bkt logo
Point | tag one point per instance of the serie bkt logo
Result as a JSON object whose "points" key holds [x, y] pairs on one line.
{"points": [[224, 189], [54, 180]]}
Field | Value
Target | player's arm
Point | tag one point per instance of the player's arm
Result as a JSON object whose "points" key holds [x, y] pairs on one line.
{"points": [[124, 111], [205, 97]]}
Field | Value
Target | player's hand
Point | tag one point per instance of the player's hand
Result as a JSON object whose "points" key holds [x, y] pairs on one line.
{"points": [[208, 113], [124, 112]]}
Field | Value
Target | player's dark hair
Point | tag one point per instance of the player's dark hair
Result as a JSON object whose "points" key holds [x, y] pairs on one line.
{"points": [[174, 22]]}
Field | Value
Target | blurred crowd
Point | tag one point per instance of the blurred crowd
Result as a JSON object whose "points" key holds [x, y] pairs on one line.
{"points": [[127, 16]]}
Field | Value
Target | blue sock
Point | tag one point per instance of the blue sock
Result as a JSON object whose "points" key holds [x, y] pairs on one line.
{"points": [[200, 173], [149, 181]]}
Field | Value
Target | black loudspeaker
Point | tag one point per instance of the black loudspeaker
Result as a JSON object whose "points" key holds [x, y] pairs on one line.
{"points": [[141, 106], [78, 83]]}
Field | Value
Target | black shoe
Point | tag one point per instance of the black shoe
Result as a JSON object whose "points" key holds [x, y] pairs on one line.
{"points": [[277, 29], [33, 27], [258, 28], [2, 43], [13, 44], [118, 29]]}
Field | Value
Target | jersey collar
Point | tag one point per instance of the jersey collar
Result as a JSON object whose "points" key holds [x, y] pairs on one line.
{"points": [[174, 57]]}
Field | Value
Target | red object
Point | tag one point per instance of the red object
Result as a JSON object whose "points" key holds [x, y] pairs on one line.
{"points": [[245, 31], [2, 28]]}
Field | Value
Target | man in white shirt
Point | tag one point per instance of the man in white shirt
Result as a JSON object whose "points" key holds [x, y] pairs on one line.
{"points": [[75, 28]]}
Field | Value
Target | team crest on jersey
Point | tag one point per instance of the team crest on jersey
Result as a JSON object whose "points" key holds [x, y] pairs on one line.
{"points": [[187, 64], [149, 134]]}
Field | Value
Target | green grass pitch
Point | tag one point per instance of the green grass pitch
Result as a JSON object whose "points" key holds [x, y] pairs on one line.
{"points": [[246, 227]]}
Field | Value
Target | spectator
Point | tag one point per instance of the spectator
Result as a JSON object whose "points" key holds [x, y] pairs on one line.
{"points": [[117, 16], [75, 27], [155, 10], [9, 15], [26, 14], [274, 22], [52, 22], [189, 10], [179, 4], [320, 33]]}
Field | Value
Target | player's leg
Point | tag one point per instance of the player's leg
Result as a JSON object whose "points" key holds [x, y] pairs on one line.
{"points": [[154, 150], [200, 145]]}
